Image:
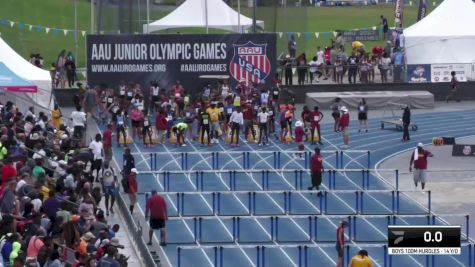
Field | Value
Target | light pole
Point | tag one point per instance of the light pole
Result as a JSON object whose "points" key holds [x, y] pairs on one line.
{"points": [[76, 46], [92, 16], [148, 15], [239, 16], [254, 4]]}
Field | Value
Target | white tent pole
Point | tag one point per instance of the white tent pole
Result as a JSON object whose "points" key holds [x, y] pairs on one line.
{"points": [[148, 15], [206, 16], [239, 16]]}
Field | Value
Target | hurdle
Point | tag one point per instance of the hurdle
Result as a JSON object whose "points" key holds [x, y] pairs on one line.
{"points": [[260, 250], [298, 181], [311, 229], [302, 253], [246, 157], [286, 196]]}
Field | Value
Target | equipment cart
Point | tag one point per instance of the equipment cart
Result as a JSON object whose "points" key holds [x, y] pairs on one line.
{"points": [[393, 119]]}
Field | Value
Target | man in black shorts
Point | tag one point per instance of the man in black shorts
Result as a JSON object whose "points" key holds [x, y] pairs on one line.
{"points": [[316, 170], [158, 215], [340, 242]]}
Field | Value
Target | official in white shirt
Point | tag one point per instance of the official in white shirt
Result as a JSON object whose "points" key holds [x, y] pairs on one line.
{"points": [[79, 122], [97, 150], [236, 120], [263, 119]]}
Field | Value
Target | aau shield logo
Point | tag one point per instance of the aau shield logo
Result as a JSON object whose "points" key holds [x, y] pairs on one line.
{"points": [[250, 63]]}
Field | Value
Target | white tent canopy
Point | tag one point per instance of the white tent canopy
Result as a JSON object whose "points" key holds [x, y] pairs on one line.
{"points": [[42, 99], [203, 13], [446, 35]]}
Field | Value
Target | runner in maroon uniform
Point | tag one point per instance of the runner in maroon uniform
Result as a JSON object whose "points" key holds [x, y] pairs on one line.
{"points": [[316, 170], [316, 116]]}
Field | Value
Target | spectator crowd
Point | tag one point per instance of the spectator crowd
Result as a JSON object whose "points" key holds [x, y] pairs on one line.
{"points": [[50, 202]]}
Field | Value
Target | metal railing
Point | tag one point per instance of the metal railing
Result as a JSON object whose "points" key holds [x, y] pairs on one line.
{"points": [[406, 73]]}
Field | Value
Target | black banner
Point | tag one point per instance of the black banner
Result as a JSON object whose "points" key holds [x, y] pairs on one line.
{"points": [[463, 150], [113, 59], [422, 9], [361, 35]]}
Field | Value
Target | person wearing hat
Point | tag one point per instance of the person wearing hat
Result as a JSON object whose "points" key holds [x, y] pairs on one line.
{"points": [[316, 170], [115, 242], [340, 242], [299, 133], [86, 239], [419, 159], [157, 207], [345, 126], [133, 189]]}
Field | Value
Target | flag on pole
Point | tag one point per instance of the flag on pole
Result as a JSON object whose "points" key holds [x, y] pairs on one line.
{"points": [[398, 13], [422, 9]]}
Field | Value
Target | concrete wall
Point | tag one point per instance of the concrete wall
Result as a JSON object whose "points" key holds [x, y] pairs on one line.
{"points": [[466, 90]]}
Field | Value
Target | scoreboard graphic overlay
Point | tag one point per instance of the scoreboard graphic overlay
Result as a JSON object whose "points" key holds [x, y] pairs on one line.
{"points": [[424, 240]]}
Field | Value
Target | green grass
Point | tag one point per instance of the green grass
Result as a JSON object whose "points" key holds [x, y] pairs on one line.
{"points": [[49, 13], [60, 14]]}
